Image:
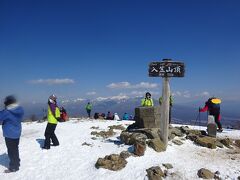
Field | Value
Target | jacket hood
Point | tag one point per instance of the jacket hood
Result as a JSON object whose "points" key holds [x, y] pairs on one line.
{"points": [[15, 109]]}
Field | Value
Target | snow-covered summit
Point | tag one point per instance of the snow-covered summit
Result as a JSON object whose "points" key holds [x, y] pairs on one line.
{"points": [[74, 160]]}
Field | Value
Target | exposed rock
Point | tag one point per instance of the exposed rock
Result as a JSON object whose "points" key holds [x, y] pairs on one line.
{"points": [[157, 145], [94, 138], [168, 166], [94, 127], [184, 129], [155, 173], [125, 154], [118, 127], [238, 177], [112, 162], [219, 144], [176, 131], [151, 133], [136, 137], [206, 141], [125, 137], [192, 137], [237, 143], [205, 174], [194, 131], [139, 148], [86, 144], [177, 142], [130, 138], [226, 142], [104, 134]]}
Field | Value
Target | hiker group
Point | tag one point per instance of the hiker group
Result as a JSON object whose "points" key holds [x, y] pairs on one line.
{"points": [[12, 115]]}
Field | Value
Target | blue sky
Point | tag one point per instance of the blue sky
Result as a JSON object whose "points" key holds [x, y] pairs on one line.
{"points": [[91, 48]]}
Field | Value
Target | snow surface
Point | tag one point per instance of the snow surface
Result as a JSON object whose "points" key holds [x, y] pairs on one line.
{"points": [[71, 160]]}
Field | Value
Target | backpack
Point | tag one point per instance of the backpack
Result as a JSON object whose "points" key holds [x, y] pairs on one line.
{"points": [[214, 105]]}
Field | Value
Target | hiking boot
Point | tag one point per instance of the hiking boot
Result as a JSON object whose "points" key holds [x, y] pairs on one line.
{"points": [[44, 147], [220, 130], [10, 170]]}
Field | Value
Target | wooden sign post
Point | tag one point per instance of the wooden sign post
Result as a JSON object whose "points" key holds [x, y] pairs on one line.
{"points": [[166, 69]]}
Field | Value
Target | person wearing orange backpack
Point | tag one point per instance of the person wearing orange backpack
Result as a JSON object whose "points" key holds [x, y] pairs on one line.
{"points": [[212, 105]]}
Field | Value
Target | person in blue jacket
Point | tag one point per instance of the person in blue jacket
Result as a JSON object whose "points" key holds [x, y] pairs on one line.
{"points": [[11, 118], [125, 116]]}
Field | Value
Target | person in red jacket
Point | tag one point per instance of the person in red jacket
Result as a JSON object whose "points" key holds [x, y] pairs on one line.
{"points": [[212, 105]]}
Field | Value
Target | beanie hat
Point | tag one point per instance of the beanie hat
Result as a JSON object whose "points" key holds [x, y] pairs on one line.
{"points": [[10, 100]]}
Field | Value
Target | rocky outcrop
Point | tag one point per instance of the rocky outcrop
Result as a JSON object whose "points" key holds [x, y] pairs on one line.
{"points": [[104, 134], [139, 147], [206, 141], [157, 145], [130, 138], [125, 154], [168, 166], [117, 127], [177, 142], [237, 143], [226, 142], [112, 162], [205, 174], [155, 173]]}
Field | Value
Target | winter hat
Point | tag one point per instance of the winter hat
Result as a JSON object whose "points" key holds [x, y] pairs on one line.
{"points": [[52, 98], [148, 94], [10, 100]]}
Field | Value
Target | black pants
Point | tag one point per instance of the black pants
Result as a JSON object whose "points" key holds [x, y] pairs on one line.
{"points": [[216, 116], [50, 136], [13, 153], [89, 113]]}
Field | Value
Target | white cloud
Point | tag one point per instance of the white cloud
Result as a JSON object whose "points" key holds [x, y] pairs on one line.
{"points": [[127, 85], [118, 97], [79, 100], [120, 85], [91, 93], [204, 94], [52, 81], [185, 94]]}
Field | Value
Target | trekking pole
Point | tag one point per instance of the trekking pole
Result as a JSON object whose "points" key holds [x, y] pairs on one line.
{"points": [[197, 119]]}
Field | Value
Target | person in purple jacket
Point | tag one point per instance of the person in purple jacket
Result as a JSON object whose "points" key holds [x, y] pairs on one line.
{"points": [[11, 118]]}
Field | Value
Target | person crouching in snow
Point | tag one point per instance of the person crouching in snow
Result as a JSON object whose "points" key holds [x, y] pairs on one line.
{"points": [[53, 117], [212, 105], [11, 118]]}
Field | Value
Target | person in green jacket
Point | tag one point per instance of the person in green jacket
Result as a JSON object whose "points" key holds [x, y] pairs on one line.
{"points": [[89, 109], [170, 106], [53, 117], [147, 101]]}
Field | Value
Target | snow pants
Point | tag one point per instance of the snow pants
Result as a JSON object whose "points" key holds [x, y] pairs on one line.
{"points": [[13, 153], [50, 136]]}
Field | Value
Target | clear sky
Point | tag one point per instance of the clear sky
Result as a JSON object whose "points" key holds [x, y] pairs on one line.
{"points": [[100, 48]]}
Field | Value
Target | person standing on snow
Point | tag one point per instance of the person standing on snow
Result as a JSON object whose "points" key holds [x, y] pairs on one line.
{"points": [[147, 101], [53, 117], [89, 109], [11, 118], [212, 105]]}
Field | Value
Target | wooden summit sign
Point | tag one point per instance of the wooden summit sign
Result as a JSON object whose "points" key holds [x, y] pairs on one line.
{"points": [[166, 69]]}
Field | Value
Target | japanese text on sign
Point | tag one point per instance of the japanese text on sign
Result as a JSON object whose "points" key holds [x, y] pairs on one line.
{"points": [[166, 69]]}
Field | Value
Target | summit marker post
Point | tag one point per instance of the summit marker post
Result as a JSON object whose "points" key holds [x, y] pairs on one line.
{"points": [[166, 69]]}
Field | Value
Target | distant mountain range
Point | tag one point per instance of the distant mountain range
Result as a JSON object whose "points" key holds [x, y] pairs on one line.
{"points": [[185, 113]]}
